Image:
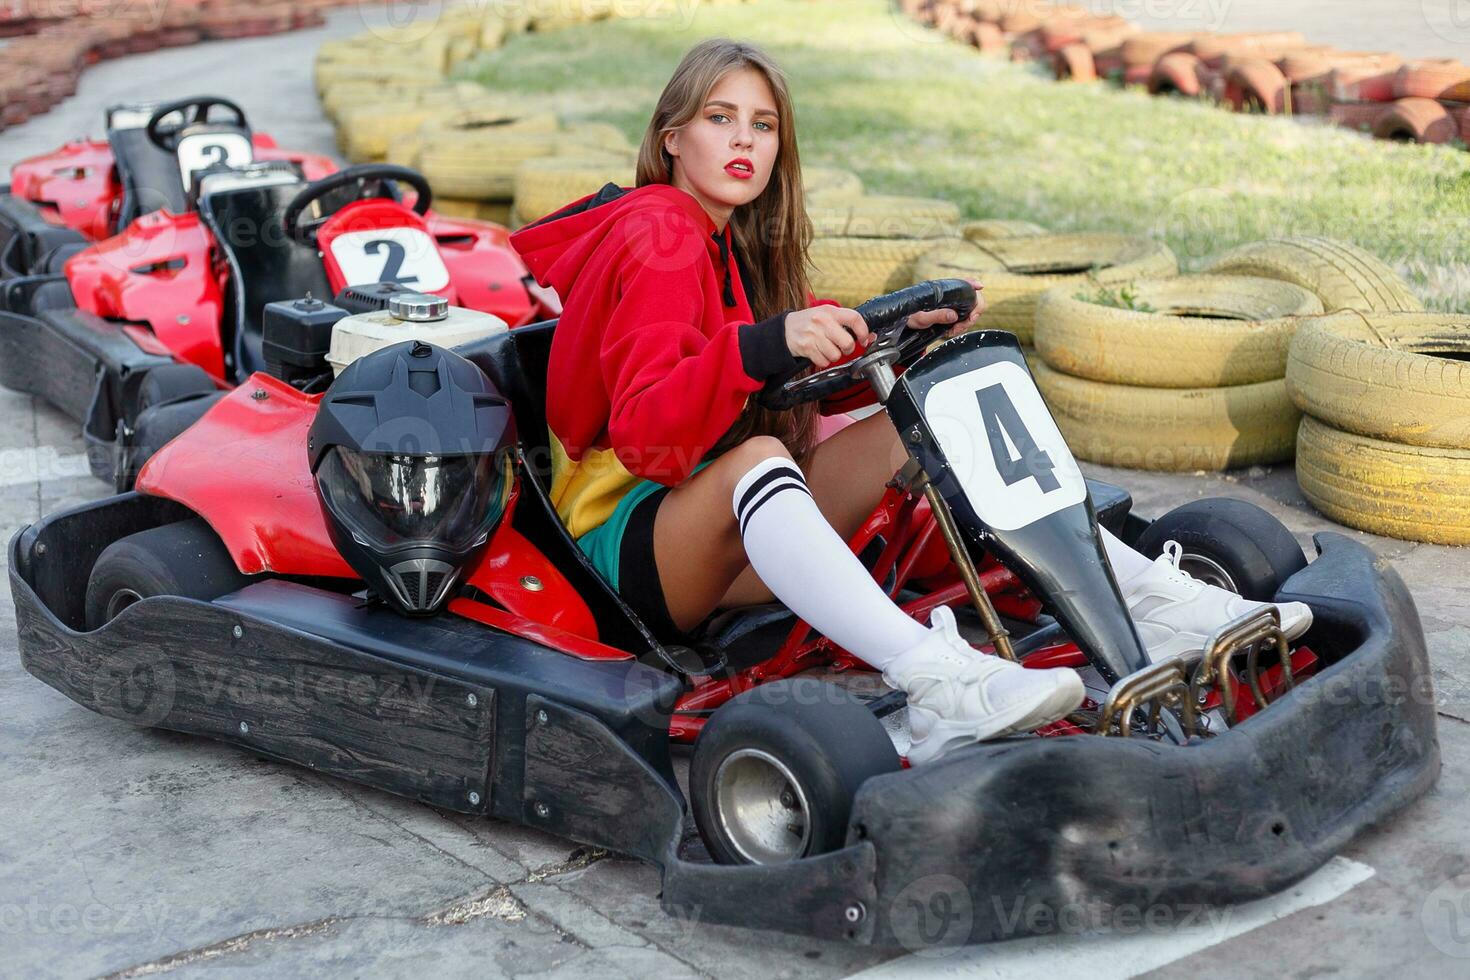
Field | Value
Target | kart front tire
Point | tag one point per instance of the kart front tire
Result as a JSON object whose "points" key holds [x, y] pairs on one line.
{"points": [[775, 771], [1230, 543], [182, 559]]}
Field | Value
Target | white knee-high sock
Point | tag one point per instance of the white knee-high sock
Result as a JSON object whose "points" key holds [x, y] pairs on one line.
{"points": [[1126, 562], [810, 568]]}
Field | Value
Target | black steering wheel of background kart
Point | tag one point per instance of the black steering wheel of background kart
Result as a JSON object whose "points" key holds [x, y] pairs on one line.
{"points": [[893, 340], [193, 110], [370, 180]]}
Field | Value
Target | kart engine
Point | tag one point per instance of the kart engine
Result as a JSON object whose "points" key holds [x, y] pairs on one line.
{"points": [[307, 342]]}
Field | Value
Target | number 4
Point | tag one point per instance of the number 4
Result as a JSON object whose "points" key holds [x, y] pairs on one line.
{"points": [[1002, 421]]}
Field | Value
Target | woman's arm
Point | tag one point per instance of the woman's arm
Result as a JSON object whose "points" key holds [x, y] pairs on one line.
{"points": [[673, 390]]}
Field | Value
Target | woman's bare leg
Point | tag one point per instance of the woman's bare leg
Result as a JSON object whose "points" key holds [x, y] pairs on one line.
{"points": [[846, 473], [696, 542]]}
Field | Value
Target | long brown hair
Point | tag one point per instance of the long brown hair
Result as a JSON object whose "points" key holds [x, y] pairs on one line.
{"points": [[771, 233]]}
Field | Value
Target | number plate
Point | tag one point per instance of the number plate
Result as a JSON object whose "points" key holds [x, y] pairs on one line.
{"points": [[208, 149], [1003, 446], [406, 256]]}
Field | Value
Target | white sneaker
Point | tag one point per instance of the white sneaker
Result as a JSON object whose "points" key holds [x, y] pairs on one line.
{"points": [[958, 695], [1176, 613]]}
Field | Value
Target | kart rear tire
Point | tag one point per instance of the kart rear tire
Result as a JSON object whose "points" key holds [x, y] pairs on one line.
{"points": [[1343, 276], [1230, 543], [827, 742], [182, 559]]}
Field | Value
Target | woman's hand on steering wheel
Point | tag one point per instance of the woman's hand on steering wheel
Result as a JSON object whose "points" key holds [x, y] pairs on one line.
{"points": [[938, 318], [825, 334]]}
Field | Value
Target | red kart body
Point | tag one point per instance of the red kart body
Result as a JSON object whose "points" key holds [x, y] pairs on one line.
{"points": [[164, 277], [266, 421], [78, 187]]}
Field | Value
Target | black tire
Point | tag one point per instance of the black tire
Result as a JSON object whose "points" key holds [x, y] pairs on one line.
{"points": [[1254, 551], [171, 382], [828, 744], [184, 559]]}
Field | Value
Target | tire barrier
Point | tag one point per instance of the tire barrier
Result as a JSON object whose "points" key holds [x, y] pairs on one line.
{"points": [[52, 43], [1342, 275], [1017, 271], [1269, 72], [1185, 332]]}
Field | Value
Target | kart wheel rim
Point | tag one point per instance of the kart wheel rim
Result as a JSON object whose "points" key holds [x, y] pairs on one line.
{"points": [[120, 600], [761, 807], [1208, 571]]}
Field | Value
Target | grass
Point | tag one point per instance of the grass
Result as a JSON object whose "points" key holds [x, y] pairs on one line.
{"points": [[914, 113]]}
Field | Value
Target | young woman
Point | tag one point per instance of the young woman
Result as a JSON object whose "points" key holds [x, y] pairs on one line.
{"points": [[681, 298]]}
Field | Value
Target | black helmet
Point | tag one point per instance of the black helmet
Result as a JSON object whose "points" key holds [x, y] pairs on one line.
{"points": [[412, 452]]}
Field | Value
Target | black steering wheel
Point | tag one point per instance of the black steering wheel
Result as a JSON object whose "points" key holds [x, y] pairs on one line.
{"points": [[893, 340], [193, 110], [365, 180]]}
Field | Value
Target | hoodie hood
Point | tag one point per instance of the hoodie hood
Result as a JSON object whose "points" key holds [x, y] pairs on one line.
{"points": [[556, 248]]}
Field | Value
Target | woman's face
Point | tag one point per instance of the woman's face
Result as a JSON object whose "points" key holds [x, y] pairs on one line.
{"points": [[724, 156]]}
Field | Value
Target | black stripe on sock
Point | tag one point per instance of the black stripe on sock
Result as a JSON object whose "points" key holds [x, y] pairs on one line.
{"points": [[745, 521], [776, 472]]}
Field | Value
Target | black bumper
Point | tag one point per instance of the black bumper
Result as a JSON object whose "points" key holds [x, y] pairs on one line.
{"points": [[998, 841], [1029, 836], [27, 240], [82, 364]]}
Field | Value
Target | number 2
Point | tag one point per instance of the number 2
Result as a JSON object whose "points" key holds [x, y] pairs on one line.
{"points": [[393, 264]]}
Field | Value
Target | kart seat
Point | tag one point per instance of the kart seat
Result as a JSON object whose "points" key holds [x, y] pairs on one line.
{"points": [[516, 362], [149, 176], [265, 266]]}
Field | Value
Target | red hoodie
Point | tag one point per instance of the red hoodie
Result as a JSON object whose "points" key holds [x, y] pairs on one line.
{"points": [[655, 354]]}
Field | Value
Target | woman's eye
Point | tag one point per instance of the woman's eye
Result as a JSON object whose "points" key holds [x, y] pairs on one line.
{"points": [[719, 117], [764, 125]]}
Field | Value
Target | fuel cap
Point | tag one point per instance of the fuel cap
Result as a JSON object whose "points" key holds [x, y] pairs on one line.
{"points": [[418, 307]]}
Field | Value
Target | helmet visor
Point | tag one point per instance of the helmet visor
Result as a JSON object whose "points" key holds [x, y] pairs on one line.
{"points": [[389, 501]]}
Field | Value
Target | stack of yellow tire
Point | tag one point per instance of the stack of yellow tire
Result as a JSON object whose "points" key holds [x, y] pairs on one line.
{"points": [[865, 245], [1178, 374], [1017, 265], [390, 81], [1385, 441]]}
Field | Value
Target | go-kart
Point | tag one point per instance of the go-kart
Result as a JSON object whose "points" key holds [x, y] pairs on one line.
{"points": [[91, 189], [211, 601], [170, 310]]}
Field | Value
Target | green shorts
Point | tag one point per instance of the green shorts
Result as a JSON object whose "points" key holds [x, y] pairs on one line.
{"points": [[621, 549]]}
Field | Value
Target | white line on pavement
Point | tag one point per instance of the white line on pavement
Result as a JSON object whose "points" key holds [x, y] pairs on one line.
{"points": [[1112, 956], [33, 464]]}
